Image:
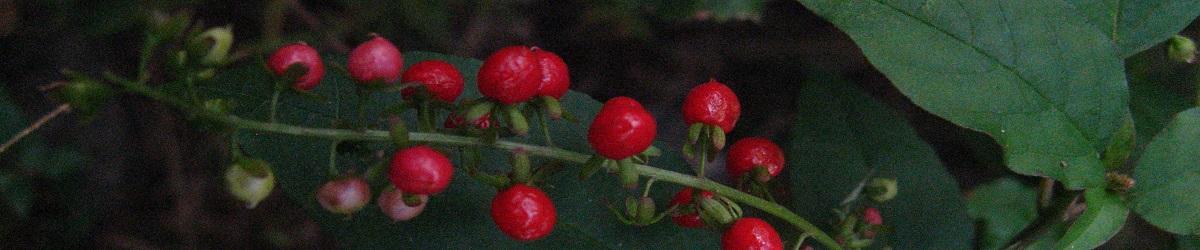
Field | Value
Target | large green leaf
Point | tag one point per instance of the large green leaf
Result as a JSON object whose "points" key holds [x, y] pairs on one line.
{"points": [[1137, 25], [458, 217], [1104, 217], [1157, 91], [1034, 75], [1003, 207], [841, 135], [1168, 177]]}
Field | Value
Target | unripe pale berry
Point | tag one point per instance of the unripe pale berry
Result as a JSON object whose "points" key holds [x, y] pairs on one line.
{"points": [[621, 129], [555, 78], [712, 103], [298, 54], [455, 121], [438, 77], [420, 170], [375, 61], [345, 195], [749, 153], [524, 213], [391, 202], [751, 233], [250, 181], [510, 75]]}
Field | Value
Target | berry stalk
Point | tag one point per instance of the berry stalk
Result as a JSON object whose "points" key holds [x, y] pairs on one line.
{"points": [[463, 141]]}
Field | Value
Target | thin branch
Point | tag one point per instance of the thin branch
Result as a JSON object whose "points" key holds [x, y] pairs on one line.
{"points": [[36, 124], [464, 141]]}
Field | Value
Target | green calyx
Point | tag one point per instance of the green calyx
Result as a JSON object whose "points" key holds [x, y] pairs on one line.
{"points": [[250, 181]]}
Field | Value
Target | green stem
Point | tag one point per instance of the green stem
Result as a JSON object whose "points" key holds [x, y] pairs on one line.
{"points": [[545, 127], [333, 170], [702, 147], [425, 116], [463, 141], [274, 102]]}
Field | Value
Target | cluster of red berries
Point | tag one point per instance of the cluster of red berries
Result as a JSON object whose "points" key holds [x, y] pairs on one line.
{"points": [[511, 76], [621, 133]]}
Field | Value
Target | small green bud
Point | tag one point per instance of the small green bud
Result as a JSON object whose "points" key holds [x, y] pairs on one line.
{"points": [[646, 211], [519, 124], [694, 132], [882, 189], [85, 95], [220, 40], [477, 111], [553, 107], [717, 137], [718, 211], [1181, 49], [250, 181]]}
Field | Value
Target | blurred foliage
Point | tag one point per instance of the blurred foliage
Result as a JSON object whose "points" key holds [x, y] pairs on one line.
{"points": [[43, 195]]}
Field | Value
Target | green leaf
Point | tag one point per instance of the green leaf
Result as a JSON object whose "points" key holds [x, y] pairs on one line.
{"points": [[1157, 93], [1104, 217], [1004, 207], [1186, 242], [1137, 25], [1036, 77], [841, 135], [460, 216], [1168, 177]]}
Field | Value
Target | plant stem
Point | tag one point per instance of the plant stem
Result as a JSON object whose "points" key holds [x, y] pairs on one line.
{"points": [[338, 135], [545, 127], [274, 102]]}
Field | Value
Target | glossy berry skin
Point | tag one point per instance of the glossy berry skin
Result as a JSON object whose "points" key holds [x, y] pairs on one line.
{"points": [[621, 129], [456, 121], [420, 170], [345, 195], [751, 233], [510, 75], [298, 53], [712, 103], [555, 79], [684, 198], [438, 77], [375, 61], [524, 213], [747, 153], [391, 202]]}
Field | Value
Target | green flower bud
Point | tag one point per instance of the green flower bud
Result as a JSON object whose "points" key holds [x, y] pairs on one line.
{"points": [[718, 211], [220, 40], [250, 181], [882, 189], [85, 95], [1181, 49]]}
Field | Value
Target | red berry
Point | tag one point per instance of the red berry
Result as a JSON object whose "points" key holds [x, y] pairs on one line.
{"points": [[683, 199], [345, 195], [751, 233], [712, 103], [621, 129], [871, 216], [555, 77], [523, 212], [456, 120], [391, 201], [302, 54], [440, 78], [376, 60], [511, 75], [746, 154], [420, 170]]}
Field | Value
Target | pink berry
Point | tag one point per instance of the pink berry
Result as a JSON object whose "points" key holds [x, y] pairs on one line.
{"points": [[345, 195], [375, 61], [302, 54]]}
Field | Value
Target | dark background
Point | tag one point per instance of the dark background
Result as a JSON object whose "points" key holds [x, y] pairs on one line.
{"points": [[152, 181]]}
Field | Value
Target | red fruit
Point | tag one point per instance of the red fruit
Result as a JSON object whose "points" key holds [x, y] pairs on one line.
{"points": [[555, 78], [683, 199], [621, 129], [523, 213], [712, 103], [511, 75], [345, 195], [298, 53], [746, 154], [420, 170], [391, 201], [456, 120], [376, 60], [871, 216], [441, 79], [751, 233]]}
